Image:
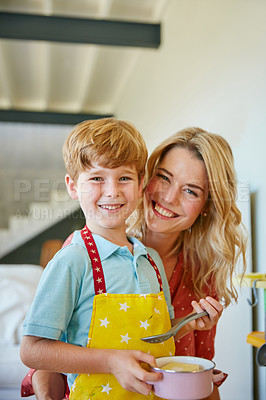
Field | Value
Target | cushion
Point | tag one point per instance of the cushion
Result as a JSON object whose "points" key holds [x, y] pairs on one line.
{"points": [[18, 284]]}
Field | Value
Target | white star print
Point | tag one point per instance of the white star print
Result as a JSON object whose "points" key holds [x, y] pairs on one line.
{"points": [[88, 341], [99, 280], [97, 269], [93, 251], [157, 311], [159, 298], [125, 338], [123, 306], [144, 324], [106, 388], [90, 244], [104, 322], [95, 259], [143, 295], [100, 291]]}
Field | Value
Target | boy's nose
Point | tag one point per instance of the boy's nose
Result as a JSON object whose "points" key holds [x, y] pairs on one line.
{"points": [[112, 189]]}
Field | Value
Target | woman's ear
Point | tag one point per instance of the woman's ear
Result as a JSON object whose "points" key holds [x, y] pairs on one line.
{"points": [[71, 187], [204, 211]]}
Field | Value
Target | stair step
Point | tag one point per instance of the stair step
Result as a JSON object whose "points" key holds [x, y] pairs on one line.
{"points": [[22, 223], [41, 216], [60, 196]]}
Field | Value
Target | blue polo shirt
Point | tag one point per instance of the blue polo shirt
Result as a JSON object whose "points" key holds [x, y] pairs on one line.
{"points": [[62, 307]]}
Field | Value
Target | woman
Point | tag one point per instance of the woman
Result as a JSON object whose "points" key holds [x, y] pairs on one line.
{"points": [[189, 215], [191, 219]]}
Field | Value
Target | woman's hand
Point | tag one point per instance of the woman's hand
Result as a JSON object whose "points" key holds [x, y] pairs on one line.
{"points": [[213, 308], [125, 365]]}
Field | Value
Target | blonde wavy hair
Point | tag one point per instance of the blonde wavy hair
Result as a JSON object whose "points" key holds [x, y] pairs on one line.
{"points": [[215, 243], [108, 141]]}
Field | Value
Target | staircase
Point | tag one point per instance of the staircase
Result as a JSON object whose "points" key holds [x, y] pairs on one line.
{"points": [[40, 216]]}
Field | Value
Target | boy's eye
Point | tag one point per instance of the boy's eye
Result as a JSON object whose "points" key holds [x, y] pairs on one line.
{"points": [[125, 178], [96, 178]]}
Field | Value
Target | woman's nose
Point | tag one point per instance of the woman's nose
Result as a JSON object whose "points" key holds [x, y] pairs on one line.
{"points": [[172, 195]]}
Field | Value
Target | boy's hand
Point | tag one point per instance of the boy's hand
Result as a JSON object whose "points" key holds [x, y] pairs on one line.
{"points": [[125, 366], [213, 308]]}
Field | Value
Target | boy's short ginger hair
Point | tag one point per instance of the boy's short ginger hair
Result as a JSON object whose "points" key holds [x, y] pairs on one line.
{"points": [[109, 142]]}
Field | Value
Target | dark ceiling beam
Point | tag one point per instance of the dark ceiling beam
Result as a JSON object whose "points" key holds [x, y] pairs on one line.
{"points": [[47, 117], [79, 30]]}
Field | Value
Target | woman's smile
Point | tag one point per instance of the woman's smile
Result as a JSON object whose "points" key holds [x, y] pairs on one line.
{"points": [[162, 211]]}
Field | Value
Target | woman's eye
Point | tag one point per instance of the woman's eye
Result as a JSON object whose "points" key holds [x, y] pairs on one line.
{"points": [[163, 177], [189, 191]]}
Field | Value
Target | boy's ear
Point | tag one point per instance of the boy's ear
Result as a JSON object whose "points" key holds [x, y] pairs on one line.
{"points": [[71, 187], [140, 187]]}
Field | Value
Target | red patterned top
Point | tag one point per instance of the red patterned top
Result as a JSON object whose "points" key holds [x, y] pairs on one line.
{"points": [[196, 343]]}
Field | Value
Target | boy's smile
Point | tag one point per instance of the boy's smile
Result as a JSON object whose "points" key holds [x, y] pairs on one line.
{"points": [[107, 196]]}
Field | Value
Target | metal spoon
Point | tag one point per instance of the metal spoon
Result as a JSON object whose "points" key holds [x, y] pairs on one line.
{"points": [[173, 331]]}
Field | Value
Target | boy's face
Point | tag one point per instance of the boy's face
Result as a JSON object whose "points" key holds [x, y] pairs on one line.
{"points": [[107, 196]]}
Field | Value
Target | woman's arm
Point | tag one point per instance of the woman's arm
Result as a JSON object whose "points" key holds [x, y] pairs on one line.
{"points": [[48, 385], [215, 394]]}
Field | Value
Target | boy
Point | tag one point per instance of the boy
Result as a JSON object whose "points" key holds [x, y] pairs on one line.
{"points": [[104, 283]]}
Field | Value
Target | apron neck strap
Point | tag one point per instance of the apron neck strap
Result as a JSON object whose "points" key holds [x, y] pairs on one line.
{"points": [[156, 270], [98, 276]]}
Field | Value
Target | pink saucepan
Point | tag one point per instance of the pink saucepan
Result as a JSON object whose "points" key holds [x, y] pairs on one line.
{"points": [[184, 385]]}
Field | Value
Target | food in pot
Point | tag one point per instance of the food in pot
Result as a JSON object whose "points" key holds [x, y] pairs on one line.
{"points": [[181, 367]]}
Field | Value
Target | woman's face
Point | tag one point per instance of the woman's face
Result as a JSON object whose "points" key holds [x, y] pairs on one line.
{"points": [[177, 192]]}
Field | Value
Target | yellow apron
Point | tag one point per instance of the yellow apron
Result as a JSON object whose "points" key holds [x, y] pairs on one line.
{"points": [[118, 322]]}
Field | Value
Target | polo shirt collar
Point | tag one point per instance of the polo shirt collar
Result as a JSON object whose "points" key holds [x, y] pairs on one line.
{"points": [[106, 248]]}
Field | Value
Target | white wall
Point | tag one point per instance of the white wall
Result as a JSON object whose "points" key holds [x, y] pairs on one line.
{"points": [[232, 354], [210, 72]]}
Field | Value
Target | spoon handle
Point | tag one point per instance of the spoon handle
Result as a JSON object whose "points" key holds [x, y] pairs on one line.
{"points": [[173, 331]]}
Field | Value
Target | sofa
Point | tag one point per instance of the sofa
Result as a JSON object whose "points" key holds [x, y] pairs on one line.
{"points": [[18, 284]]}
